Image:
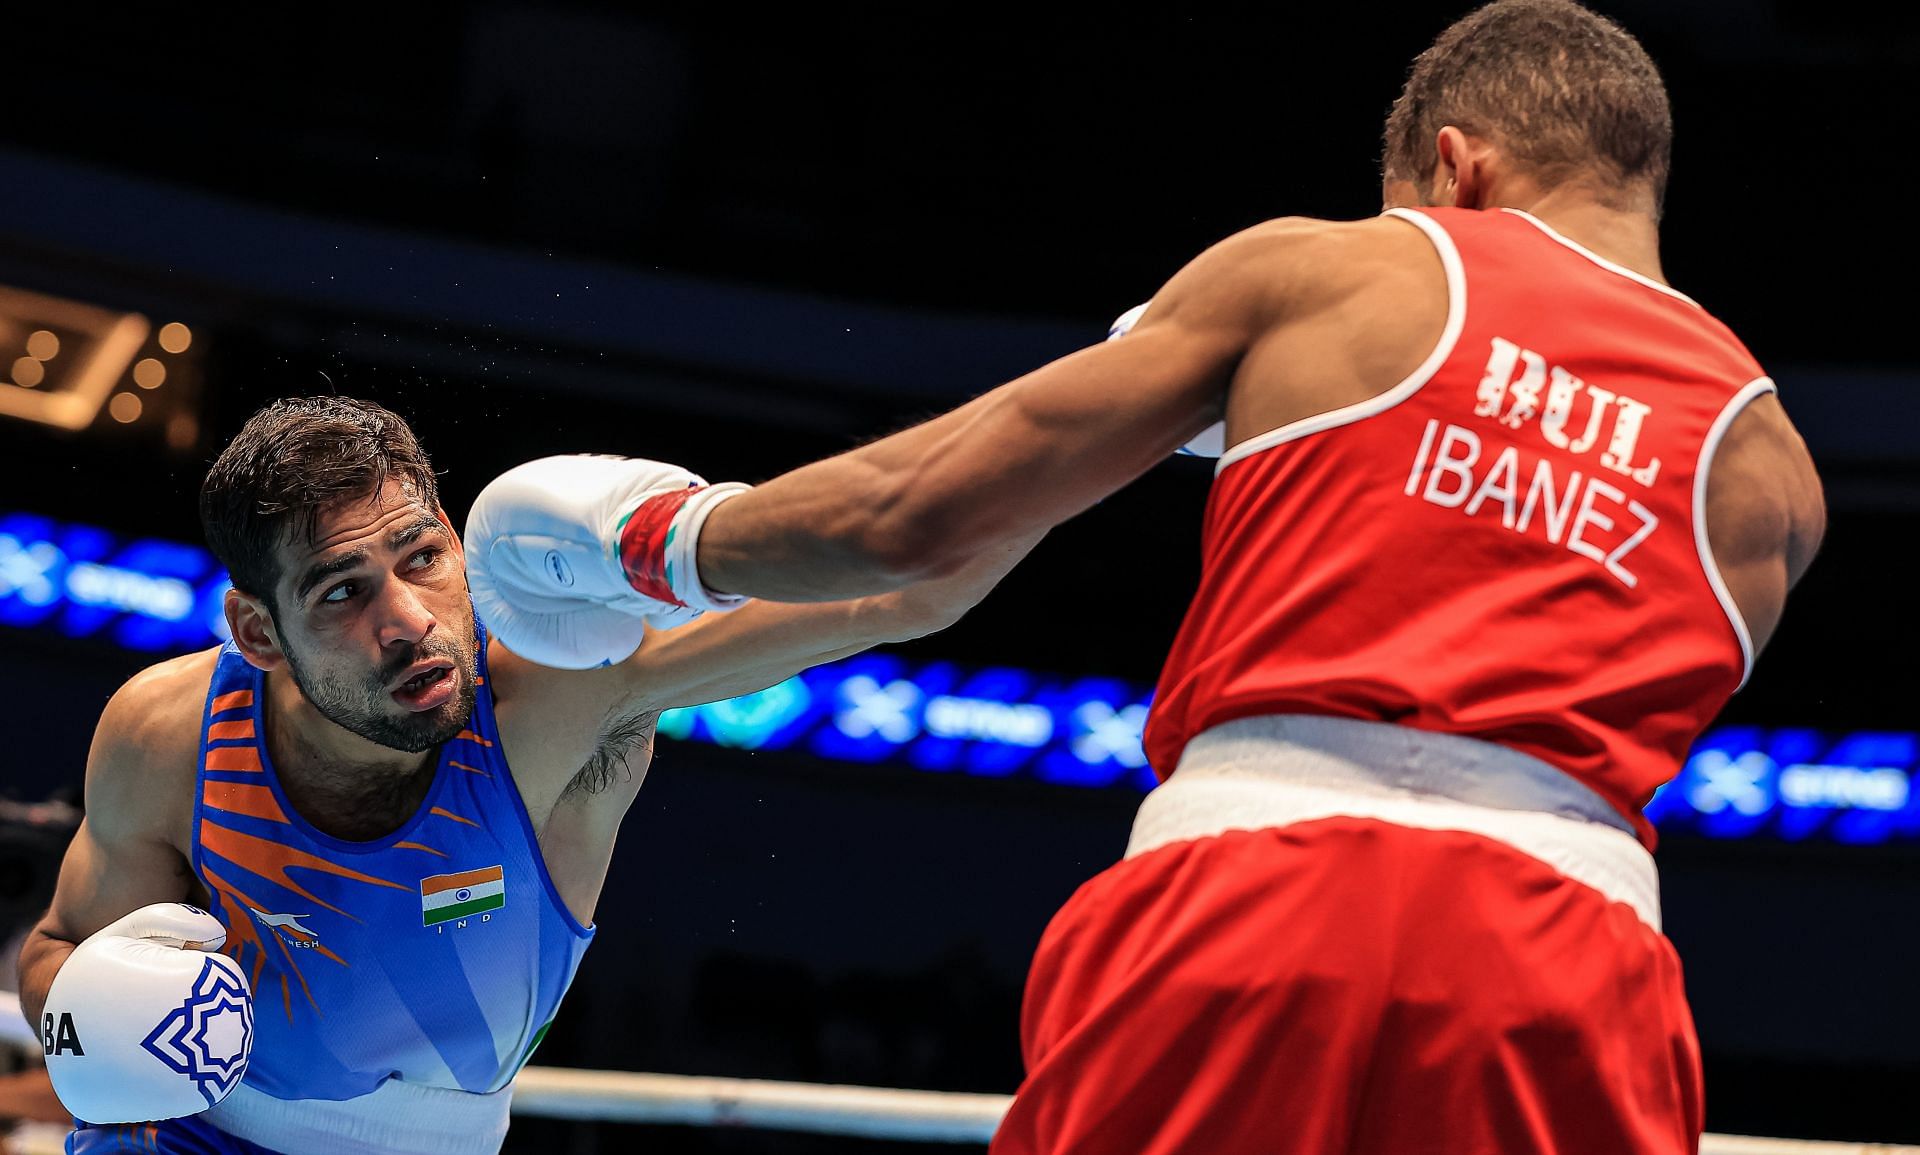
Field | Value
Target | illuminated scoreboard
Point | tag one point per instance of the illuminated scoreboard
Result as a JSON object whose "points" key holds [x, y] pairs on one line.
{"points": [[1784, 784]]}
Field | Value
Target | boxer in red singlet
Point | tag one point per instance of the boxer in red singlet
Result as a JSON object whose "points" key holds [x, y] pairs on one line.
{"points": [[1501, 522]]}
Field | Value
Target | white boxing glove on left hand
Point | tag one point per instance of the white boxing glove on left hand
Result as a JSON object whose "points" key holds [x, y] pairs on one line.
{"points": [[145, 1020]]}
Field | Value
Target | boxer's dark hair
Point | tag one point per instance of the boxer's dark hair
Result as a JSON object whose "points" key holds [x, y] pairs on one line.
{"points": [[1563, 90], [290, 462]]}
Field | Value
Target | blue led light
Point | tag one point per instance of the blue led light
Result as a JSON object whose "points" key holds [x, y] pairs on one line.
{"points": [[84, 582], [770, 719], [1739, 782]]}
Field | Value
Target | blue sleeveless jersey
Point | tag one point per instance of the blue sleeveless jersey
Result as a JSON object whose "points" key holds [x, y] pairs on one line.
{"points": [[436, 955]]}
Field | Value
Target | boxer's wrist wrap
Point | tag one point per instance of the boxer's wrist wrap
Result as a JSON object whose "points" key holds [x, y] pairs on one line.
{"points": [[644, 535], [658, 544]]}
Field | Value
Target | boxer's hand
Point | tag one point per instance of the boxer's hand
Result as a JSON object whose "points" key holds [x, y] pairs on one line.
{"points": [[144, 1021], [1212, 441], [569, 559]]}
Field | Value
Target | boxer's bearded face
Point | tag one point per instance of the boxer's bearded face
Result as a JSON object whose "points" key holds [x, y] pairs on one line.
{"points": [[376, 623]]}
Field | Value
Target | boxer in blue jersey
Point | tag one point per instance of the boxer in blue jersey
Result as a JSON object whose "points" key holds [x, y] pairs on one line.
{"points": [[379, 834]]}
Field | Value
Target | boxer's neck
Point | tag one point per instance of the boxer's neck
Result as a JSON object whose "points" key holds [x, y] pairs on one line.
{"points": [[344, 785], [1618, 225]]}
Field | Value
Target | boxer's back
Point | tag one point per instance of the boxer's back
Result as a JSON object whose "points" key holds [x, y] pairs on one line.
{"points": [[1511, 542]]}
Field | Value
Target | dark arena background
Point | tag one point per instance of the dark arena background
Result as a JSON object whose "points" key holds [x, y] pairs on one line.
{"points": [[742, 241]]}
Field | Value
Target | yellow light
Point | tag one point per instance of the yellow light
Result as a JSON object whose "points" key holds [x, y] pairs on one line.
{"points": [[106, 343], [149, 373], [175, 337], [181, 431], [125, 408], [28, 372]]}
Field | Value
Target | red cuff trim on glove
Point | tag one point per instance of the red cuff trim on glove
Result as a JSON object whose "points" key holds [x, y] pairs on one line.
{"points": [[643, 544]]}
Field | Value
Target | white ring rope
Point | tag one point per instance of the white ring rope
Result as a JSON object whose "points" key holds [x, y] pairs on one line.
{"points": [[865, 1112], [878, 1113]]}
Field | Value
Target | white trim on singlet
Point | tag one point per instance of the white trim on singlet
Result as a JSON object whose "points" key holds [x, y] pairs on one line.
{"points": [[1603, 262], [1346, 415], [1719, 429]]}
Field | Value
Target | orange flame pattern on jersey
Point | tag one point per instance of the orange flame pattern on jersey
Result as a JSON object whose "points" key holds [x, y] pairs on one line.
{"points": [[271, 861]]}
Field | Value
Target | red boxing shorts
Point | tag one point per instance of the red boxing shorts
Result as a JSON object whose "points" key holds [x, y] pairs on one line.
{"points": [[1399, 981]]}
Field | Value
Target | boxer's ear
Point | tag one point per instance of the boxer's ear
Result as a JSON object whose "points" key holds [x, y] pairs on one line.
{"points": [[1463, 177], [459, 547], [254, 632]]}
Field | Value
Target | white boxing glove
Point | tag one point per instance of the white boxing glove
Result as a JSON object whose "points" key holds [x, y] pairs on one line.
{"points": [[544, 556], [146, 1021], [1212, 441]]}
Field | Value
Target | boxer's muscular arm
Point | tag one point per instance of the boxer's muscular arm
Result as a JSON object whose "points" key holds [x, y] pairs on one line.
{"points": [[1023, 457], [1766, 514], [568, 715], [139, 774], [720, 656]]}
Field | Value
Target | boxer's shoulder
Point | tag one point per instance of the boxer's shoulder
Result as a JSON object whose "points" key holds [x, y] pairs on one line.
{"points": [[1299, 262], [159, 709], [1296, 235], [141, 769], [1337, 254]]}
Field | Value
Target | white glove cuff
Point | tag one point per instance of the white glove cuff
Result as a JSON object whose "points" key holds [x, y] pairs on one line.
{"points": [[683, 548], [175, 924]]}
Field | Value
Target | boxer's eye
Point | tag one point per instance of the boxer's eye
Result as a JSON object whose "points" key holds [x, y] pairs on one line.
{"points": [[424, 558], [339, 594]]}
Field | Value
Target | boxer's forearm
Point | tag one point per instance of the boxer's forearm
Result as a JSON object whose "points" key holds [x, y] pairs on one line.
{"points": [[847, 527], [921, 504], [29, 1095], [766, 642], [40, 959], [1015, 461], [927, 606], [806, 537]]}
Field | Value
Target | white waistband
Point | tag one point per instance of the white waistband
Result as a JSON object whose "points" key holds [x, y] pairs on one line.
{"points": [[1256, 773], [396, 1119]]}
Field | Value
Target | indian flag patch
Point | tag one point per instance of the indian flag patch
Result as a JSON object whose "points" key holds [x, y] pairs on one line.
{"points": [[445, 897]]}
